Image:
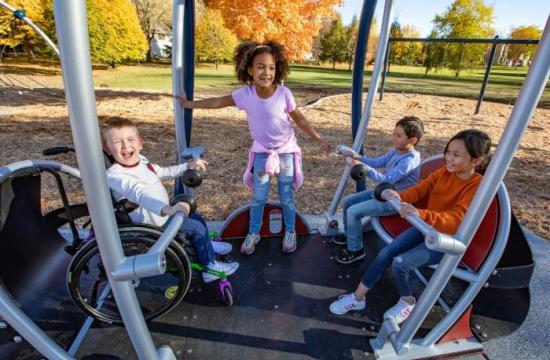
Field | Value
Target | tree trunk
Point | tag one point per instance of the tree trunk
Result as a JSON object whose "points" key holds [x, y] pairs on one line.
{"points": [[216, 62], [459, 61], [149, 55], [333, 64]]}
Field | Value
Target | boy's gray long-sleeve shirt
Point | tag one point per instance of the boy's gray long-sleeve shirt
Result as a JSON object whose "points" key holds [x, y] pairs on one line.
{"points": [[400, 169]]}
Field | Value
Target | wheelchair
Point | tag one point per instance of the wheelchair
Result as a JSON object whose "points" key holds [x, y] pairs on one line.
{"points": [[62, 241]]}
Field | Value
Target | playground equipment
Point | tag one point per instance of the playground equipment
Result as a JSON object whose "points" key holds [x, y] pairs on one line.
{"points": [[282, 311]]}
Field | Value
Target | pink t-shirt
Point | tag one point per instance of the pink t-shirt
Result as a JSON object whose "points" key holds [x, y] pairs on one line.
{"points": [[267, 118]]}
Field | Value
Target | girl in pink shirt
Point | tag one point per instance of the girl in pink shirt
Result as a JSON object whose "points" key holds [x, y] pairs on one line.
{"points": [[269, 106]]}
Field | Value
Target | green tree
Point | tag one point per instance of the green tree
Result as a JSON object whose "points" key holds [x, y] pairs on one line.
{"points": [[351, 39], [315, 52], [434, 54], [334, 44], [465, 19], [398, 48], [523, 51], [413, 54], [213, 40], [14, 32]]}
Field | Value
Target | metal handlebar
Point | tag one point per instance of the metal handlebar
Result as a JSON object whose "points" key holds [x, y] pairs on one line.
{"points": [[434, 239], [153, 262]]}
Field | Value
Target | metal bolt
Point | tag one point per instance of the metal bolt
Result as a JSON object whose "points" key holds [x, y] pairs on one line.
{"points": [[17, 339], [486, 285], [477, 327], [495, 272], [484, 334], [3, 325]]}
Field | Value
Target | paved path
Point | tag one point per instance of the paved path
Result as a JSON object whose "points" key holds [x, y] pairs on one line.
{"points": [[531, 340]]}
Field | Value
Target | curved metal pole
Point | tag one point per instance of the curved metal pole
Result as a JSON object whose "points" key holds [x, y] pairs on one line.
{"points": [[363, 124], [505, 216], [519, 120], [21, 16], [72, 31]]}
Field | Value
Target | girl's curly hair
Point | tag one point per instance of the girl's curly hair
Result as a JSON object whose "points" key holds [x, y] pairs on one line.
{"points": [[247, 51]]}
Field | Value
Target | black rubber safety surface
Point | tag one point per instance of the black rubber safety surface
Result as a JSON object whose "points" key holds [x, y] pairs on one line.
{"points": [[280, 312]]}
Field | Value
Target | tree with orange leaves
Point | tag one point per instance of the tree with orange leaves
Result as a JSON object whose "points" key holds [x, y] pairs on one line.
{"points": [[293, 23]]}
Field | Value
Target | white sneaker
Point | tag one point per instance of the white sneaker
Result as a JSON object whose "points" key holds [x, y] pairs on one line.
{"points": [[400, 311], [221, 247], [346, 303], [228, 268]]}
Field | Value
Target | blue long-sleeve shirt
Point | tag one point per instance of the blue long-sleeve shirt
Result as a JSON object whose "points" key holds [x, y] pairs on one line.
{"points": [[400, 169]]}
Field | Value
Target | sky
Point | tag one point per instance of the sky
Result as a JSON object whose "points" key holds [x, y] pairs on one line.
{"points": [[420, 13]]}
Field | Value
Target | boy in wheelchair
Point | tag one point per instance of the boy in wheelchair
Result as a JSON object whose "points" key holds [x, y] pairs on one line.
{"points": [[134, 178]]}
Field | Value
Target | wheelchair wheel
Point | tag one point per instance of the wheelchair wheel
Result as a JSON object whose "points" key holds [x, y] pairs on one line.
{"points": [[90, 290]]}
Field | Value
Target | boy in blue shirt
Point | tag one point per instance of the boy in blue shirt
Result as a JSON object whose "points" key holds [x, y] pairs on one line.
{"points": [[401, 168]]}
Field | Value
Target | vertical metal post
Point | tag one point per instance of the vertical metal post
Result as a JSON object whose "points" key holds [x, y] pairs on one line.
{"points": [[486, 76], [178, 84], [359, 134], [72, 32], [365, 24], [385, 70], [519, 120], [189, 62]]}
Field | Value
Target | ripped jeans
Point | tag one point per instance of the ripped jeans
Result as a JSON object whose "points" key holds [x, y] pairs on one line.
{"points": [[261, 192]]}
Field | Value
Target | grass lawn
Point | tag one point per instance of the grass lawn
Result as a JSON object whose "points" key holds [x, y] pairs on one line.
{"points": [[504, 82]]}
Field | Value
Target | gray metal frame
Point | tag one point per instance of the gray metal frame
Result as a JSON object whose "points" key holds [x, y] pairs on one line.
{"points": [[71, 24], [72, 31], [401, 339], [365, 117]]}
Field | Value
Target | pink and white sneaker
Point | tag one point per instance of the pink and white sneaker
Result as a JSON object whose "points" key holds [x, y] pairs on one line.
{"points": [[346, 303], [400, 311]]}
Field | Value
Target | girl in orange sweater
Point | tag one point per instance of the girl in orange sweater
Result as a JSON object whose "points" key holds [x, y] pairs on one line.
{"points": [[450, 191]]}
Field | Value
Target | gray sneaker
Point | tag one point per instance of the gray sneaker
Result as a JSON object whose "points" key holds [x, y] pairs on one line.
{"points": [[249, 244], [289, 242]]}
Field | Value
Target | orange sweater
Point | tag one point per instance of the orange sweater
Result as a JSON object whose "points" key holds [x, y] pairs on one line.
{"points": [[448, 198]]}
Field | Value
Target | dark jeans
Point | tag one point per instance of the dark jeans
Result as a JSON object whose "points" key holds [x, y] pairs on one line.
{"points": [[197, 234], [408, 252]]}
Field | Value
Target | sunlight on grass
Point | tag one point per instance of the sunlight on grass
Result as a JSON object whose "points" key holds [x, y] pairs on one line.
{"points": [[504, 82]]}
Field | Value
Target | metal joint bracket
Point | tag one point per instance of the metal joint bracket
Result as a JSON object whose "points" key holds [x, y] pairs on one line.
{"points": [[444, 243], [387, 332], [166, 353], [140, 266], [193, 153]]}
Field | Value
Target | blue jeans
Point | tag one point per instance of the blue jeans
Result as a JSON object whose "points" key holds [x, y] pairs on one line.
{"points": [[356, 207], [197, 234], [408, 252], [261, 192]]}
